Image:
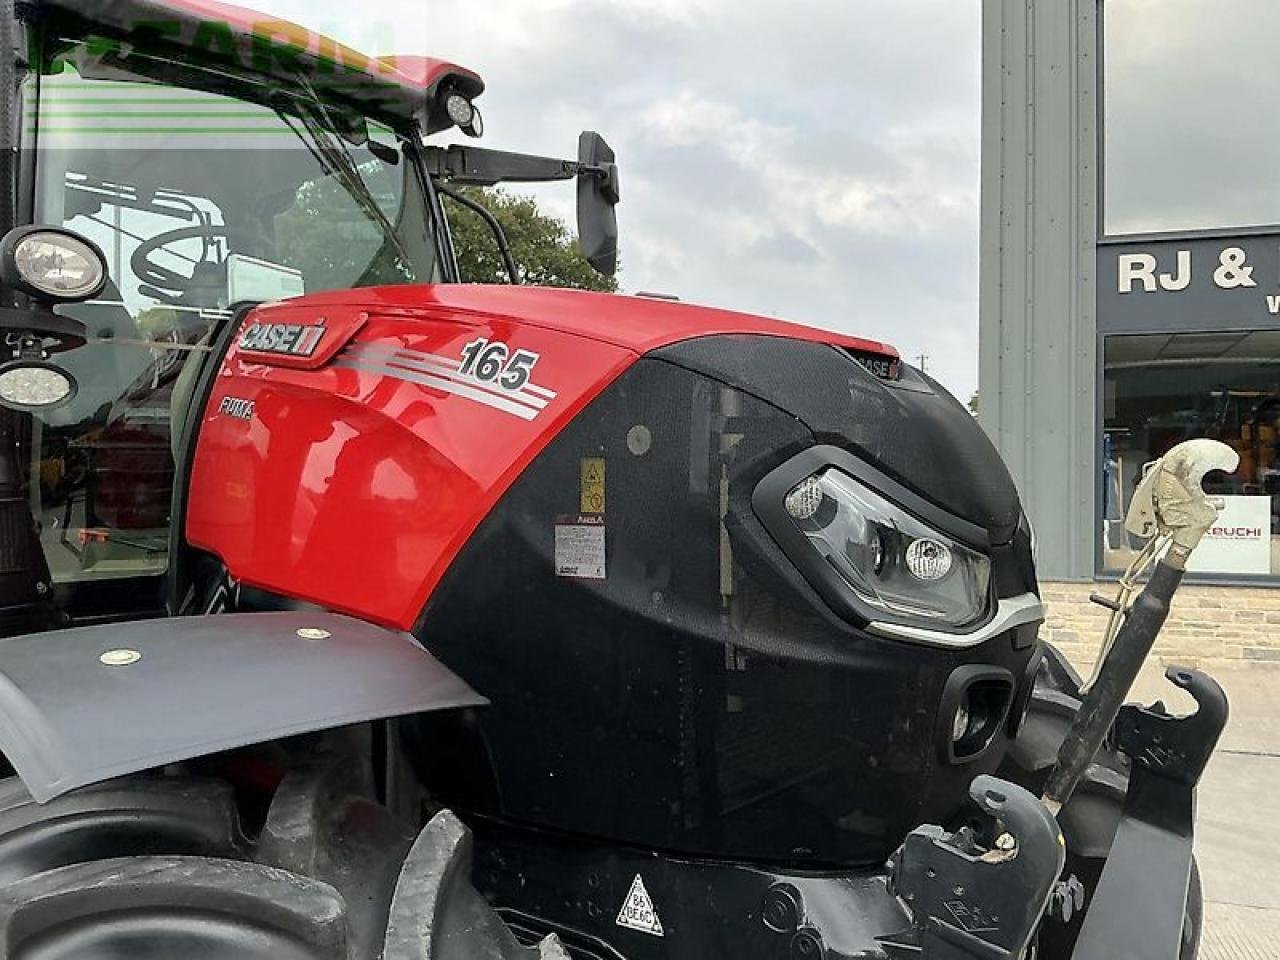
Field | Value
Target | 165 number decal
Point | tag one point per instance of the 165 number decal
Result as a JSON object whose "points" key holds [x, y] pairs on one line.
{"points": [[493, 362]]}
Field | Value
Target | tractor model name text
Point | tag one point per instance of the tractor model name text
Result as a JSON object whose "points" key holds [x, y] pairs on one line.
{"points": [[494, 362], [285, 339], [236, 407]]}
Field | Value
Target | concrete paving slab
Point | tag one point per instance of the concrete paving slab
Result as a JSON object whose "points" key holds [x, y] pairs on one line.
{"points": [[1238, 815], [1238, 830], [1240, 933]]}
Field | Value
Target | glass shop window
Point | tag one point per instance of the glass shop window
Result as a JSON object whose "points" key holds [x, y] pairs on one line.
{"points": [[1189, 89], [1161, 389]]}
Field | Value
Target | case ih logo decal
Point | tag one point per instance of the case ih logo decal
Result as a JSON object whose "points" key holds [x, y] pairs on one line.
{"points": [[885, 368], [287, 339], [487, 371]]}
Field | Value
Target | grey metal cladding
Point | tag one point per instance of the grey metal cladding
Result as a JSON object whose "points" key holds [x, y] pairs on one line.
{"points": [[192, 686], [1037, 342]]}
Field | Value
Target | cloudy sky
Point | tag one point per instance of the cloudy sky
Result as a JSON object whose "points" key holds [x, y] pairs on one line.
{"points": [[815, 160]]}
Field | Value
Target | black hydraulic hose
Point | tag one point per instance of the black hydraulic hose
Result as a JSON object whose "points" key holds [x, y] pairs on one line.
{"points": [[1115, 678], [504, 247]]}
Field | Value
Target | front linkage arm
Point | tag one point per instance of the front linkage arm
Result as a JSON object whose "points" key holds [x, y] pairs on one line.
{"points": [[981, 894], [1137, 908]]}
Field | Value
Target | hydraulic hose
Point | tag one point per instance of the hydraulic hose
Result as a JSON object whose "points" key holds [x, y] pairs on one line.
{"points": [[1169, 503], [1114, 680]]}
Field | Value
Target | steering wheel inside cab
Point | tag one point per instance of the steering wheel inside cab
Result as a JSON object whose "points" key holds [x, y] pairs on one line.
{"points": [[206, 282]]}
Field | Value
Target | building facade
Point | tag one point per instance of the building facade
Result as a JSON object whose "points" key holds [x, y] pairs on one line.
{"points": [[1130, 293]]}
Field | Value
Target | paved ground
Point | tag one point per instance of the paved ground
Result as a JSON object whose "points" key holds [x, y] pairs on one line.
{"points": [[1238, 820]]}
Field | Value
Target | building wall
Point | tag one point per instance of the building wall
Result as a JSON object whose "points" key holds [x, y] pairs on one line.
{"points": [[1038, 326], [1038, 333], [1207, 624]]}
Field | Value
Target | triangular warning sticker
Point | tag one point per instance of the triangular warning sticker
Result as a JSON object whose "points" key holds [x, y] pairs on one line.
{"points": [[637, 911]]}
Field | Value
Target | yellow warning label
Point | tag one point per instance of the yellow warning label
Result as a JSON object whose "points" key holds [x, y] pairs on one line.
{"points": [[592, 485]]}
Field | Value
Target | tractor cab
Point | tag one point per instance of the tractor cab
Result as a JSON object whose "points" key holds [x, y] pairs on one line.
{"points": [[202, 202], [218, 160]]}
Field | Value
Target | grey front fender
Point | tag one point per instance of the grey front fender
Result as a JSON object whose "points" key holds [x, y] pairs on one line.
{"points": [[89, 704]]}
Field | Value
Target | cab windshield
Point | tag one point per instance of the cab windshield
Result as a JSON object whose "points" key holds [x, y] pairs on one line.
{"points": [[202, 202]]}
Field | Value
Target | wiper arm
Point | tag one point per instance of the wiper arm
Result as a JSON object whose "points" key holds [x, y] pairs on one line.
{"points": [[330, 150]]}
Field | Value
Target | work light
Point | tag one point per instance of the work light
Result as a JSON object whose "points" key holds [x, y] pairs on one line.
{"points": [[52, 264], [30, 384], [464, 113]]}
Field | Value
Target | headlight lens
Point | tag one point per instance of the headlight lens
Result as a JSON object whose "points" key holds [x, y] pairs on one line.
{"points": [[890, 559], [58, 265], [34, 385]]}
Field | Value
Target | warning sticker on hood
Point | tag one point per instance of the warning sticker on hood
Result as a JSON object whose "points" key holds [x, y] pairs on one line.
{"points": [[580, 547]]}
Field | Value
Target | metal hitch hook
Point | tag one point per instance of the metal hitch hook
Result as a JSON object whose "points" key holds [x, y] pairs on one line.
{"points": [[978, 901], [1176, 748], [1137, 908]]}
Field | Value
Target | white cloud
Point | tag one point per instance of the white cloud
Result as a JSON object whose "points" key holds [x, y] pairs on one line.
{"points": [[815, 160]]}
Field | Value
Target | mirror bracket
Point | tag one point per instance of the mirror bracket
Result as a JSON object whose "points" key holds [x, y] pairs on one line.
{"points": [[59, 333]]}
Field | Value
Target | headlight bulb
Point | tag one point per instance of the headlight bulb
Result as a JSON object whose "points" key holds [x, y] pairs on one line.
{"points": [[803, 502], [928, 559]]}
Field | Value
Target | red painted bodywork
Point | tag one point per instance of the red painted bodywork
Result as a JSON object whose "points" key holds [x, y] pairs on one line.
{"points": [[355, 490], [399, 85]]}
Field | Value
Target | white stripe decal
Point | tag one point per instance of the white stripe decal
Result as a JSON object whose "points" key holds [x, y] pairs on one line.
{"points": [[396, 363], [432, 358], [447, 386], [531, 394], [518, 396]]}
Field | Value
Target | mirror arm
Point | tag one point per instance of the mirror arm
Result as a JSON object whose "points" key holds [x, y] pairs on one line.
{"points": [[477, 167], [504, 246]]}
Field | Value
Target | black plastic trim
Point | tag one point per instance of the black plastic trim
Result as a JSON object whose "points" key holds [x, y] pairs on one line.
{"points": [[186, 450], [1022, 696], [963, 680]]}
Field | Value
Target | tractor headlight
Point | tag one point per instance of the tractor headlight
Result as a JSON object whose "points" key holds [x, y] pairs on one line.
{"points": [[52, 264], [894, 562]]}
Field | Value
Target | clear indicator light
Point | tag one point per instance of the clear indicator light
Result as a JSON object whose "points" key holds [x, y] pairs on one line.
{"points": [[803, 501]]}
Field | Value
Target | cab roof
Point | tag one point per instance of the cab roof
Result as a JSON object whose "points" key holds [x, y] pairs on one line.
{"points": [[393, 87]]}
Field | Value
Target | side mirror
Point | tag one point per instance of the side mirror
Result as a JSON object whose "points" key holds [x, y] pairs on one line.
{"points": [[597, 201]]}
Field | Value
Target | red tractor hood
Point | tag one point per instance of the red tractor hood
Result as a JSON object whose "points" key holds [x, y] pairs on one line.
{"points": [[354, 440], [639, 324]]}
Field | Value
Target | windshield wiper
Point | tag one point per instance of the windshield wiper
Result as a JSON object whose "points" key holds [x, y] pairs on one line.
{"points": [[326, 143]]}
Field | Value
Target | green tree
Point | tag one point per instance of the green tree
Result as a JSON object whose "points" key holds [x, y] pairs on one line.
{"points": [[545, 252]]}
